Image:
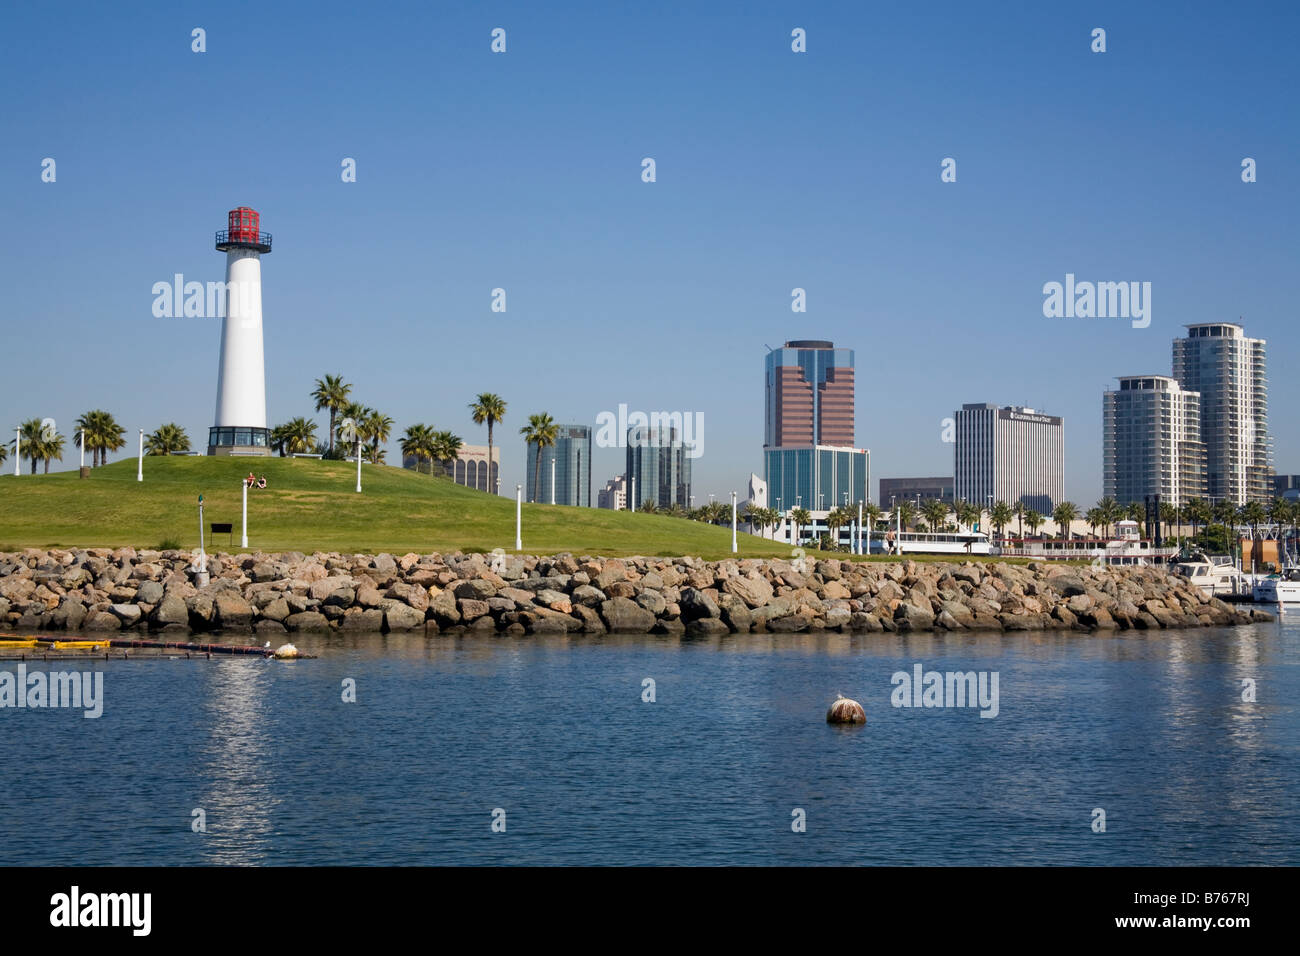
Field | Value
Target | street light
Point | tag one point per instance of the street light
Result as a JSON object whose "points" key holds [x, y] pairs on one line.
{"points": [[519, 517], [733, 522]]}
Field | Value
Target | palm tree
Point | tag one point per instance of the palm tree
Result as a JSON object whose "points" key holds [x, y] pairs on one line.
{"points": [[298, 437], [800, 517], [417, 442], [1033, 519], [278, 438], [331, 392], [541, 431], [1019, 509], [1197, 512], [836, 518], [376, 428], [51, 447], [30, 436], [906, 513], [444, 447], [936, 514], [871, 514], [489, 408], [1063, 514], [1226, 512], [1001, 515], [4, 453], [648, 506], [1108, 511], [1279, 512], [103, 434], [1253, 514], [1169, 516], [967, 514], [1135, 512], [1093, 517], [167, 440]]}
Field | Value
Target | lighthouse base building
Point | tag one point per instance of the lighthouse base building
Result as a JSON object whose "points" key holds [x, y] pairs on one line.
{"points": [[240, 424]]}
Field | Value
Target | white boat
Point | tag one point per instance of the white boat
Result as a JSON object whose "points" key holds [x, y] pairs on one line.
{"points": [[1216, 576], [1127, 547], [923, 542], [1276, 589]]}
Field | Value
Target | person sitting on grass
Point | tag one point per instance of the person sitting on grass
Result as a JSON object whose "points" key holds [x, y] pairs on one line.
{"points": [[251, 480], [261, 482]]}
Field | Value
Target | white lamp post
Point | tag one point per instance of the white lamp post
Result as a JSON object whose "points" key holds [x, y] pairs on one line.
{"points": [[519, 517], [733, 522], [632, 500], [243, 536], [358, 464], [552, 480], [860, 551], [139, 469], [18, 451], [83, 448]]}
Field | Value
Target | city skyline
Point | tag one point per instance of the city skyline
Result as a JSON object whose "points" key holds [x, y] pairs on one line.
{"points": [[936, 286]]}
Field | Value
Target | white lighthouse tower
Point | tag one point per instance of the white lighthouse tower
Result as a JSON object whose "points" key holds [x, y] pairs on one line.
{"points": [[240, 426]]}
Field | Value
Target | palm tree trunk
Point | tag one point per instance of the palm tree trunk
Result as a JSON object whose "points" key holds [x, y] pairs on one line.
{"points": [[490, 490], [537, 473]]}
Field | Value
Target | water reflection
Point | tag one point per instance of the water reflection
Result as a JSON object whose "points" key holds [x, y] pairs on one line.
{"points": [[239, 794]]}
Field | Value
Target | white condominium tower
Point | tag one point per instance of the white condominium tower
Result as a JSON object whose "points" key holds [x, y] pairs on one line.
{"points": [[1151, 440], [1228, 370]]}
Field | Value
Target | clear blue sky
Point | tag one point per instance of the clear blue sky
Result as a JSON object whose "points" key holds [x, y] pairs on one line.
{"points": [[775, 170]]}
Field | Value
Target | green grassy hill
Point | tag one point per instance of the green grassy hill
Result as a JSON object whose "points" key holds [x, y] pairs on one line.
{"points": [[313, 505]]}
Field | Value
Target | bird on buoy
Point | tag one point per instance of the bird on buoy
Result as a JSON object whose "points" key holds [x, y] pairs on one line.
{"points": [[845, 711], [285, 652]]}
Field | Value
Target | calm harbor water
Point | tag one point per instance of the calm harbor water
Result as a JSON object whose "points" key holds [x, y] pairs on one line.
{"points": [[1150, 727]]}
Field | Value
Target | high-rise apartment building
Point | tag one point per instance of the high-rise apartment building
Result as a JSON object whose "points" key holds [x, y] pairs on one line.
{"points": [[809, 395], [1228, 370], [571, 455], [1011, 453], [1151, 441], [658, 467]]}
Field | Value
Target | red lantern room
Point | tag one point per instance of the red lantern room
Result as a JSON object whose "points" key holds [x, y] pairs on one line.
{"points": [[243, 224], [242, 232]]}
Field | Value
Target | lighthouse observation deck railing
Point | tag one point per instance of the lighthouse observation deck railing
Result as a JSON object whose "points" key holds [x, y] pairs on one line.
{"points": [[226, 238]]}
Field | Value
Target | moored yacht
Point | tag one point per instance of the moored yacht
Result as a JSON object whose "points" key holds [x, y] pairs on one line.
{"points": [[1216, 576]]}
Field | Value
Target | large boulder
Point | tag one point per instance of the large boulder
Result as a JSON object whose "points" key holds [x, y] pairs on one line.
{"points": [[913, 617], [696, 604], [753, 589], [624, 614]]}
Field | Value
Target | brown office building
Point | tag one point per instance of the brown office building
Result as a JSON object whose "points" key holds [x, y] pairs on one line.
{"points": [[809, 395]]}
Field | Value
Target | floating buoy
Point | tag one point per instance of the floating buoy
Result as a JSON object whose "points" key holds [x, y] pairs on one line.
{"points": [[845, 711], [285, 652]]}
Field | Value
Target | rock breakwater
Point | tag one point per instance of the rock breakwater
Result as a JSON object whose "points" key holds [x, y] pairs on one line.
{"points": [[103, 590]]}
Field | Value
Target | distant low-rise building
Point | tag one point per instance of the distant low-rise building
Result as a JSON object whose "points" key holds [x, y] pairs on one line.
{"points": [[470, 467], [928, 489], [614, 495], [1286, 486]]}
